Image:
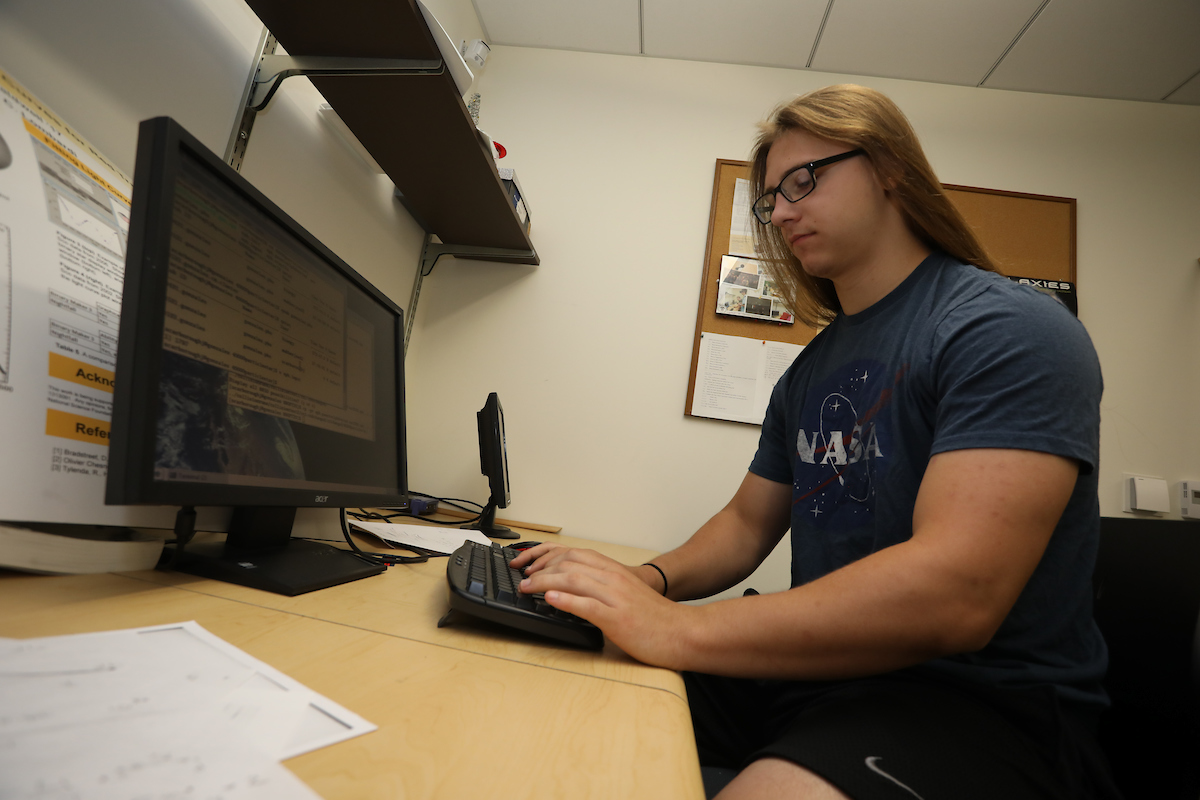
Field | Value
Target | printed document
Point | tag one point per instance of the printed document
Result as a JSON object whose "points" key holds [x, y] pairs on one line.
{"points": [[735, 376]]}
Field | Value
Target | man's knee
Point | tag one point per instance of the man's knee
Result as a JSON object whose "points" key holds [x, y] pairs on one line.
{"points": [[777, 778]]}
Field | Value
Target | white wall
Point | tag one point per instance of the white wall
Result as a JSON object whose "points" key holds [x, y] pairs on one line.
{"points": [[590, 351]]}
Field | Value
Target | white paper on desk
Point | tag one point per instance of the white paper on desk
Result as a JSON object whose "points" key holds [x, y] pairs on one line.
{"points": [[426, 537], [100, 762], [277, 713], [114, 676], [735, 376], [102, 703]]}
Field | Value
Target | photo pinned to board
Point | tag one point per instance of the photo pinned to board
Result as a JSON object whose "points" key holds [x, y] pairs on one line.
{"points": [[747, 291]]}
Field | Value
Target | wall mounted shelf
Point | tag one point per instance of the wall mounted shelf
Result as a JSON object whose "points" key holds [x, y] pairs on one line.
{"points": [[415, 126]]}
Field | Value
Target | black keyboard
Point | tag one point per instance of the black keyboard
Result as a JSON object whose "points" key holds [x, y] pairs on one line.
{"points": [[483, 585]]}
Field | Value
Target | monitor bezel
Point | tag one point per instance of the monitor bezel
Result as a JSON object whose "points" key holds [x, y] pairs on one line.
{"points": [[161, 141]]}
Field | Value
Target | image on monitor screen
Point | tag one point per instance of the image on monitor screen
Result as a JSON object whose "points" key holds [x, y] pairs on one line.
{"points": [[255, 369]]}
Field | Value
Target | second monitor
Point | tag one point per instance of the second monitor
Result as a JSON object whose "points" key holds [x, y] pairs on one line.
{"points": [[493, 462]]}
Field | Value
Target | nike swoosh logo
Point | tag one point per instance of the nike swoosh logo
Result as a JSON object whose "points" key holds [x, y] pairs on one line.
{"points": [[872, 764]]}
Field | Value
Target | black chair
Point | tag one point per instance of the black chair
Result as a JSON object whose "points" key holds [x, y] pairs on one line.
{"points": [[1147, 593], [1147, 604]]}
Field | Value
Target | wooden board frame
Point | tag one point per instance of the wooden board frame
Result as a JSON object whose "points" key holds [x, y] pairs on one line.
{"points": [[1028, 235]]}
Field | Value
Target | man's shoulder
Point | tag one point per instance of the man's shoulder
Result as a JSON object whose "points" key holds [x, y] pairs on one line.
{"points": [[965, 295]]}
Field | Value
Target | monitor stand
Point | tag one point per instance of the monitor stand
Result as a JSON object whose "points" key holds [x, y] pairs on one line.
{"points": [[488, 527], [260, 553]]}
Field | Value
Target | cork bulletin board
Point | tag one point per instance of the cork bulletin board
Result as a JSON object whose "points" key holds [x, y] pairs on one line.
{"points": [[1029, 236]]}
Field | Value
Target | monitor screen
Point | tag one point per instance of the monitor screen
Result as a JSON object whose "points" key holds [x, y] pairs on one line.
{"points": [[255, 368]]}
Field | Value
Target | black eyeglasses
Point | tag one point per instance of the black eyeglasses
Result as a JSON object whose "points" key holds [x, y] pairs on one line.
{"points": [[797, 184]]}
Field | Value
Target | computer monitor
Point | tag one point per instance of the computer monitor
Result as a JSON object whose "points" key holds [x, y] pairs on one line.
{"points": [[493, 462], [255, 369]]}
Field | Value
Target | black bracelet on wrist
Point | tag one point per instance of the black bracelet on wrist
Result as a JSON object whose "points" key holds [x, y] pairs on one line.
{"points": [[658, 569]]}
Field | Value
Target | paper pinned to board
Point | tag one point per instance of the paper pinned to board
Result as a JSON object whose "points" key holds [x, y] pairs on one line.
{"points": [[735, 376], [422, 537], [741, 223]]}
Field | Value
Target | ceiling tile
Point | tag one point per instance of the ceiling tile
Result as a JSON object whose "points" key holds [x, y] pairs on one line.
{"points": [[945, 41], [777, 33], [1106, 48], [1189, 93], [610, 26]]}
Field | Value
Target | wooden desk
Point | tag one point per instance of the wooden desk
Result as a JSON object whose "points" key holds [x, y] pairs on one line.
{"points": [[409, 599], [449, 702]]}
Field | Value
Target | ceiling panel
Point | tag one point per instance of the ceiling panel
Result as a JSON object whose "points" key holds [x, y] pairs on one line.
{"points": [[1188, 93], [1106, 48], [611, 26], [945, 41], [777, 33], [1128, 49]]}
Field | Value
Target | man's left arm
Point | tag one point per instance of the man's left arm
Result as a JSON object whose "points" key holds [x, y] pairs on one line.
{"points": [[981, 523]]}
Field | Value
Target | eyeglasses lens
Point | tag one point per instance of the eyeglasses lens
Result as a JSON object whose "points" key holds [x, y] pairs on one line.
{"points": [[797, 185], [764, 207]]}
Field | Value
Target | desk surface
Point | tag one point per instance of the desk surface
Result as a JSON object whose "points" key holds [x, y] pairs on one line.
{"points": [[447, 701], [409, 599]]}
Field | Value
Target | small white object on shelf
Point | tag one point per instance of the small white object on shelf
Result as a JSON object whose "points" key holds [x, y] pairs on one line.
{"points": [[516, 195], [476, 52], [454, 60]]}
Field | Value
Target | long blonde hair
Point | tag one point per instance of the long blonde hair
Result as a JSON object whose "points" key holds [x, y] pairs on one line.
{"points": [[867, 119]]}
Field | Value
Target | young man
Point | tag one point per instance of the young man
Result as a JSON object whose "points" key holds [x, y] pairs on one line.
{"points": [[934, 453]]}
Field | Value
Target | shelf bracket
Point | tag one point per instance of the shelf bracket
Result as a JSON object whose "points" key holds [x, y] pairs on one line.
{"points": [[235, 150], [431, 251], [273, 69]]}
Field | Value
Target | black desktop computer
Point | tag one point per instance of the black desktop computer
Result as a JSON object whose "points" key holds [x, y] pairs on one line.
{"points": [[255, 370]]}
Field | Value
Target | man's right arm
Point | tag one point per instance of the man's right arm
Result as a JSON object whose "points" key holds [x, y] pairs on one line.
{"points": [[729, 546]]}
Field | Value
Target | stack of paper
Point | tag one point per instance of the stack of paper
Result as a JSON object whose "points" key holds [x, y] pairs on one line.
{"points": [[421, 537], [158, 712]]}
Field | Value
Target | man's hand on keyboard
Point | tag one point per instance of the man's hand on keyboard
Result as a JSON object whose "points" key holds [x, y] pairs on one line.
{"points": [[612, 597]]}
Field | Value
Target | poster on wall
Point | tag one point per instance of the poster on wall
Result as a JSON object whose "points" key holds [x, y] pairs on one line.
{"points": [[64, 221]]}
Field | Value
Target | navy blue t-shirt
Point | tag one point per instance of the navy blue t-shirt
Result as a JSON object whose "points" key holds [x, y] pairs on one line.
{"points": [[953, 358]]}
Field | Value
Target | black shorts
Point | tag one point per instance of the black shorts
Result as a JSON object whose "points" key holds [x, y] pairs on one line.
{"points": [[900, 737]]}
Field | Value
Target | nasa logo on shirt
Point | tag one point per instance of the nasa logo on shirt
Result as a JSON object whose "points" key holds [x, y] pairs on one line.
{"points": [[842, 445]]}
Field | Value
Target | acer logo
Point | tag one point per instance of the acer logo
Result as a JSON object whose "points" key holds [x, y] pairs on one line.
{"points": [[322, 498]]}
